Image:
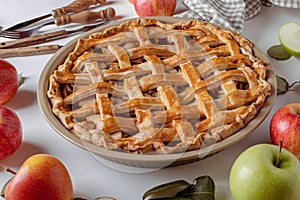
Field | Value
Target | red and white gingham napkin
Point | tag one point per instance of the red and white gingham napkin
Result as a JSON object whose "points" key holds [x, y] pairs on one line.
{"points": [[230, 14]]}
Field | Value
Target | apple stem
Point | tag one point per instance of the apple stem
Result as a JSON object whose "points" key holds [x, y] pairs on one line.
{"points": [[11, 171], [290, 86], [296, 82], [21, 79], [279, 153]]}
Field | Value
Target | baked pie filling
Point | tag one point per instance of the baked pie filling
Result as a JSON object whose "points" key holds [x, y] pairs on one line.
{"points": [[146, 86]]}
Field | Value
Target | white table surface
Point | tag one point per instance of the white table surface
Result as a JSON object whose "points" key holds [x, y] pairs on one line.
{"points": [[92, 177]]}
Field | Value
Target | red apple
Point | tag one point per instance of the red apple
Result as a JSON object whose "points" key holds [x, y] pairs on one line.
{"points": [[41, 177], [10, 132], [154, 7], [8, 81], [285, 127]]}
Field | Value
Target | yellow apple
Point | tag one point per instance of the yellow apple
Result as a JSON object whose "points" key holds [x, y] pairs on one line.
{"points": [[41, 177]]}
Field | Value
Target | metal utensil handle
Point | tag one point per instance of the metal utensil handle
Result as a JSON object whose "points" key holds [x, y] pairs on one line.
{"points": [[28, 22], [76, 6], [86, 17]]}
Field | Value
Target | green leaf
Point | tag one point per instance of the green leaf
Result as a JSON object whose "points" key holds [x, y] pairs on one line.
{"points": [[4, 186], [282, 85], [204, 184], [1, 28], [164, 187], [202, 189], [278, 52]]}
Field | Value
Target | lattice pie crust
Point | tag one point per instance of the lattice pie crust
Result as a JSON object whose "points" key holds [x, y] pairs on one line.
{"points": [[146, 86]]}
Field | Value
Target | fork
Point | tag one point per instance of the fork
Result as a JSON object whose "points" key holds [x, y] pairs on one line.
{"points": [[14, 34], [81, 17], [47, 37]]}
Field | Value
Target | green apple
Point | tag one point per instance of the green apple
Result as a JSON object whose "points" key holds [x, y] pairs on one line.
{"points": [[289, 36], [260, 174]]}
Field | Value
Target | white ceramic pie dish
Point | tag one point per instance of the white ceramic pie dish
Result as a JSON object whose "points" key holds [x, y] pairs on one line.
{"points": [[136, 160]]}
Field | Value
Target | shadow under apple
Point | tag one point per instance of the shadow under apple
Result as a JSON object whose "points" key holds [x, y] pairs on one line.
{"points": [[21, 99], [23, 152]]}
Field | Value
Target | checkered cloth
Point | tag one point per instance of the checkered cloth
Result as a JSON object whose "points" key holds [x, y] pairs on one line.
{"points": [[230, 14]]}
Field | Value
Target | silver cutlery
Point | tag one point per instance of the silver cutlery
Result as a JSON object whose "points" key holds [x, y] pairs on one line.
{"points": [[47, 37], [74, 7], [83, 17]]}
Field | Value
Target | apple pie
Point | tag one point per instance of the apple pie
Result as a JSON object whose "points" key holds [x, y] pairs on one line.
{"points": [[149, 87]]}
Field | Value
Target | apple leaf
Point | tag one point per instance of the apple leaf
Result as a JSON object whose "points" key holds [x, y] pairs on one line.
{"points": [[202, 188], [283, 86], [164, 187], [278, 52]]}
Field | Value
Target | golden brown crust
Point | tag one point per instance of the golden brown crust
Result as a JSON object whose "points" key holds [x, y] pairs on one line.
{"points": [[150, 87]]}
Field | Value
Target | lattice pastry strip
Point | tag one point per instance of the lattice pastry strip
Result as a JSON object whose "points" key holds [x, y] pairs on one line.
{"points": [[150, 87]]}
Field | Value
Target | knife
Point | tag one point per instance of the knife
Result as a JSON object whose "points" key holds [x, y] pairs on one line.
{"points": [[74, 7]]}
